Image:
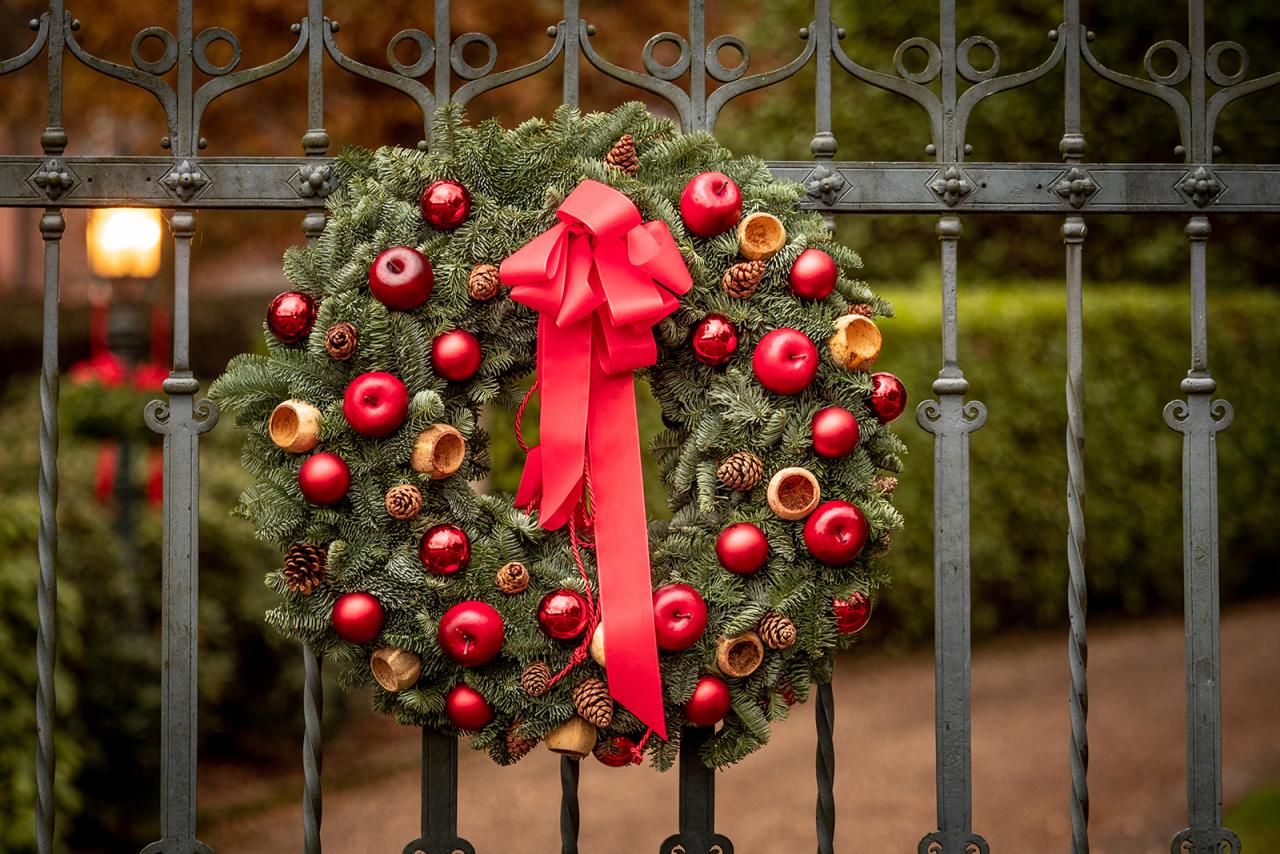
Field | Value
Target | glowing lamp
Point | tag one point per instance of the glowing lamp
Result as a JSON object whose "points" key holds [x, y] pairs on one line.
{"points": [[124, 243]]}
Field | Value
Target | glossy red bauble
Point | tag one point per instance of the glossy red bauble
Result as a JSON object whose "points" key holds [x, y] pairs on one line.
{"points": [[888, 396], [836, 532], [616, 752], [471, 633], [446, 204], [785, 361], [445, 549], [401, 278], [710, 204], [291, 316], [357, 617], [375, 404], [324, 478], [563, 614], [467, 708], [742, 548], [835, 432], [813, 275], [679, 616], [714, 339], [709, 703], [852, 613], [456, 355]]}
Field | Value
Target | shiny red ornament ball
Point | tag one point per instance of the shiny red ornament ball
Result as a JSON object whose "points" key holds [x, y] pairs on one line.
{"points": [[563, 614], [714, 339], [401, 278], [467, 708], [836, 532], [616, 752], [813, 275], [291, 316], [456, 355], [742, 548], [852, 613], [444, 550], [709, 703], [357, 617], [835, 432], [471, 633], [446, 204], [785, 361], [888, 396], [710, 204], [375, 404], [679, 616], [324, 478]]}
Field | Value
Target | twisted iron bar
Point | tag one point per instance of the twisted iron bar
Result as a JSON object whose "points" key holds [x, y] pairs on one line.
{"points": [[312, 752], [824, 714], [570, 819]]}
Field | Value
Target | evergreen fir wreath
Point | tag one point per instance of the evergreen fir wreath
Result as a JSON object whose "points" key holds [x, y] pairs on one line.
{"points": [[585, 250]]}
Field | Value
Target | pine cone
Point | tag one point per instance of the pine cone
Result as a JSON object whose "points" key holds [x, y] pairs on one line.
{"points": [[483, 282], [513, 578], [863, 308], [741, 280], [886, 484], [340, 340], [591, 699], [623, 155], [535, 678], [776, 630], [741, 471], [519, 745], [305, 567], [404, 501]]}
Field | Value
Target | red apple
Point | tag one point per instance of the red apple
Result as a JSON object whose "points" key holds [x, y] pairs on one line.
{"points": [[679, 616], [375, 404], [471, 633], [785, 361], [836, 532], [401, 278], [710, 204], [742, 548]]}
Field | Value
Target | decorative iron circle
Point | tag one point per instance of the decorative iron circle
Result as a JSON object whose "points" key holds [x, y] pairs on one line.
{"points": [[200, 47], [1179, 72], [932, 66], [466, 70], [1213, 59], [167, 60], [656, 68], [965, 67], [426, 53], [716, 69]]}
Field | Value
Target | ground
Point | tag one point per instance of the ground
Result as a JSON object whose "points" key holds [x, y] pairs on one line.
{"points": [[884, 750]]}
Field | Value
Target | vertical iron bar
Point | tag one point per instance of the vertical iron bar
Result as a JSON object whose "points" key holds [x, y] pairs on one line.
{"points": [[698, 65], [1199, 152], [439, 797], [947, 42], [570, 818], [443, 38], [316, 140], [824, 714], [312, 751], [697, 800], [572, 22], [823, 146]]}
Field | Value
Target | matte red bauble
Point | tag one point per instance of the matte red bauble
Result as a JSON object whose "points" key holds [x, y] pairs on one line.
{"points": [[835, 432], [616, 752], [471, 633], [456, 355], [324, 478], [710, 204], [679, 616], [446, 204], [563, 614], [375, 404], [714, 340], [785, 361], [467, 708], [357, 617], [853, 613], [291, 316], [742, 548], [709, 703], [813, 275], [836, 532], [888, 396], [401, 278], [445, 549]]}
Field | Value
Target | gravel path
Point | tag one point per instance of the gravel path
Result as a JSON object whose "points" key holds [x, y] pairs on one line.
{"points": [[885, 783]]}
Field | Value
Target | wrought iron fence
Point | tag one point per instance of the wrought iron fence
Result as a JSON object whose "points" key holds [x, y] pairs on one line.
{"points": [[1196, 90]]}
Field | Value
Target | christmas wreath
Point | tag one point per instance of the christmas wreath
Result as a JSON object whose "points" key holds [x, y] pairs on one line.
{"points": [[557, 262]]}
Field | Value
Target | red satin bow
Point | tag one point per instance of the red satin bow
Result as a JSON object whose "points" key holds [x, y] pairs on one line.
{"points": [[599, 280]]}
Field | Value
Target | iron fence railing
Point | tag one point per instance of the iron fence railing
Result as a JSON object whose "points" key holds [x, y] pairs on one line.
{"points": [[696, 85]]}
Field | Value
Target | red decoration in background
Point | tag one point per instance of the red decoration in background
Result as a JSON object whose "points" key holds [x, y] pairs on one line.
{"points": [[852, 613], [467, 708], [599, 280], [813, 275], [836, 532], [456, 355], [709, 703], [742, 548], [471, 633], [563, 614], [357, 617], [888, 396], [835, 432], [324, 478], [446, 204], [291, 316], [445, 549], [785, 361], [401, 278], [714, 339]]}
